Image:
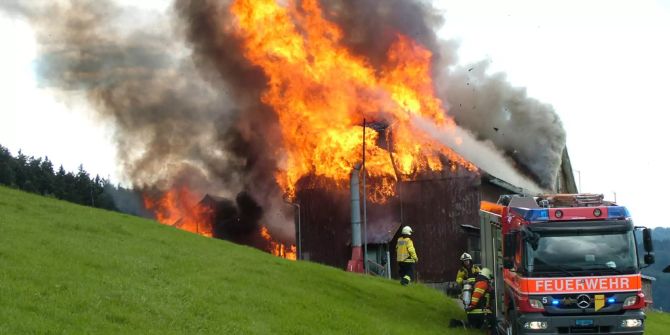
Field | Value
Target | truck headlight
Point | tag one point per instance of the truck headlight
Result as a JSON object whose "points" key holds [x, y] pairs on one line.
{"points": [[630, 323], [535, 325], [535, 303], [630, 301]]}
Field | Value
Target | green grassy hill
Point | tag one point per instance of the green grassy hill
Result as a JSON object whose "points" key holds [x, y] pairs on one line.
{"points": [[657, 323], [70, 269]]}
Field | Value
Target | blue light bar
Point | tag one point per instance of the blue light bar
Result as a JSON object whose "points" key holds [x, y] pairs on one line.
{"points": [[555, 302], [537, 215], [617, 212], [532, 215], [611, 300]]}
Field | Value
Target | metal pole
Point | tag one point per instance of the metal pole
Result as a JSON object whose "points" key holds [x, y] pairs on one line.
{"points": [[299, 237], [365, 214], [299, 233], [388, 262]]}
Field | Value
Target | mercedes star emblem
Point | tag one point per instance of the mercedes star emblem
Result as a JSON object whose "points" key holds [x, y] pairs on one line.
{"points": [[583, 301]]}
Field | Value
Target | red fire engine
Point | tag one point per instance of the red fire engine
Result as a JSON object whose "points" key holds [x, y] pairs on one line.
{"points": [[564, 263]]}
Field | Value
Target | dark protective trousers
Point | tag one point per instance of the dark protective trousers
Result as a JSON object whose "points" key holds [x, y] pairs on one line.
{"points": [[476, 320], [482, 320], [406, 272]]}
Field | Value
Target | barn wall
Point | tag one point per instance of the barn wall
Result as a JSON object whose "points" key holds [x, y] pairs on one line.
{"points": [[436, 209], [326, 222]]}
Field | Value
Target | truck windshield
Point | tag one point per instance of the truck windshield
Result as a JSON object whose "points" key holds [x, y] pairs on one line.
{"points": [[562, 254]]}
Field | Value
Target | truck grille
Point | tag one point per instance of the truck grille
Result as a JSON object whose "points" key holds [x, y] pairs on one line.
{"points": [[584, 330], [577, 301]]}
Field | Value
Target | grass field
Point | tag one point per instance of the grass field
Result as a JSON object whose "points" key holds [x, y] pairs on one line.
{"points": [[68, 269], [657, 323]]}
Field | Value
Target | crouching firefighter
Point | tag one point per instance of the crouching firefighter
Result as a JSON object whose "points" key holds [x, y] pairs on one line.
{"points": [[479, 309], [406, 256], [468, 271]]}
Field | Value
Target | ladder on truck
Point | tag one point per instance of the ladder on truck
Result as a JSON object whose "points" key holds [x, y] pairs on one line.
{"points": [[573, 200]]}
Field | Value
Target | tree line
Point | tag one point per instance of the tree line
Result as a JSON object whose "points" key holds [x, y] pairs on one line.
{"points": [[37, 175]]}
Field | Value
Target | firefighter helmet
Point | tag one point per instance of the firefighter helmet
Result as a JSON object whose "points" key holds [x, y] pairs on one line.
{"points": [[406, 230], [466, 257], [486, 273]]}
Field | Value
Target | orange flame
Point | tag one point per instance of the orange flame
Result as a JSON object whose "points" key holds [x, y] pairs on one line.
{"points": [[179, 207], [321, 92], [277, 248]]}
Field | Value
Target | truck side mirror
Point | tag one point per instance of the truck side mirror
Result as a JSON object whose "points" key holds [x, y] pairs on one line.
{"points": [[649, 259], [509, 245], [646, 239], [667, 269]]}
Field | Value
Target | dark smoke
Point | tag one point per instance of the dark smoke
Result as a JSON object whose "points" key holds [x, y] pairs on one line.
{"points": [[371, 26], [171, 117], [166, 118], [235, 220], [218, 57]]}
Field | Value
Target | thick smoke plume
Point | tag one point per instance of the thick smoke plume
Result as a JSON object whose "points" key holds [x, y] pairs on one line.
{"points": [[185, 104], [527, 130], [174, 122], [167, 120]]}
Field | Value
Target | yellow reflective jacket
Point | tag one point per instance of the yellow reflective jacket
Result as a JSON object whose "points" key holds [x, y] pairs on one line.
{"points": [[405, 251], [464, 274]]}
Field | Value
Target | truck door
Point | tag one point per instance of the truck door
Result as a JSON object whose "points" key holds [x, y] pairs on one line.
{"points": [[491, 255]]}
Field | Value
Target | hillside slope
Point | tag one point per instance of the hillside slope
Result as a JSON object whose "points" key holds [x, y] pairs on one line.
{"points": [[72, 269], [657, 323]]}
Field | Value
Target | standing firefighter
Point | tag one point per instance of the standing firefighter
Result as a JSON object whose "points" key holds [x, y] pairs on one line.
{"points": [[466, 277], [406, 256], [480, 304]]}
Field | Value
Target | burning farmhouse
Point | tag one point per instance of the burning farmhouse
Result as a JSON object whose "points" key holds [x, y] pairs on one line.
{"points": [[338, 100]]}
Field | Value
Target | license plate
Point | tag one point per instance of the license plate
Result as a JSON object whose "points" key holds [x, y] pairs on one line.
{"points": [[584, 323]]}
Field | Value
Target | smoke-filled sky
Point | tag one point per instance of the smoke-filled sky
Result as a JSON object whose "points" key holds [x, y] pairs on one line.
{"points": [[601, 65]]}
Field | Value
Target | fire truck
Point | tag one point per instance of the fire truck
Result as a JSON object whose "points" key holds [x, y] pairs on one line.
{"points": [[564, 263]]}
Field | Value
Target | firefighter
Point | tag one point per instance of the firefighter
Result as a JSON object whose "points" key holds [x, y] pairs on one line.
{"points": [[465, 279], [468, 271], [479, 309], [406, 256]]}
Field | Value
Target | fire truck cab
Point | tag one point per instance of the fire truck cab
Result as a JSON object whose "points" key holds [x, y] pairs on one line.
{"points": [[564, 263]]}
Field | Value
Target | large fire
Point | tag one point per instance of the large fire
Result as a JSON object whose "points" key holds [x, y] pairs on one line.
{"points": [[321, 93]]}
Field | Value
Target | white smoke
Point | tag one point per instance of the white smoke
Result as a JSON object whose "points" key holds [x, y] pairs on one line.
{"points": [[484, 154]]}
